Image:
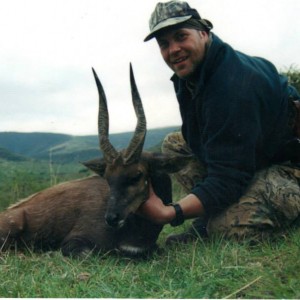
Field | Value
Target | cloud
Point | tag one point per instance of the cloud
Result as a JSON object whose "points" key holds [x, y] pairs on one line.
{"points": [[48, 48]]}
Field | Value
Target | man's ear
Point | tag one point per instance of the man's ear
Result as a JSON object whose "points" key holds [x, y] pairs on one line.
{"points": [[167, 163], [97, 165]]}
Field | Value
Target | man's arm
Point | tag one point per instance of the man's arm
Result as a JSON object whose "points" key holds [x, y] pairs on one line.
{"points": [[155, 210]]}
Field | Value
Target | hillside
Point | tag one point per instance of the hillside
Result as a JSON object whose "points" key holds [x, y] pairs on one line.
{"points": [[63, 148], [11, 156]]}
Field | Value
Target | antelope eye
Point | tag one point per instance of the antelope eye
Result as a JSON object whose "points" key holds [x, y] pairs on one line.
{"points": [[134, 179]]}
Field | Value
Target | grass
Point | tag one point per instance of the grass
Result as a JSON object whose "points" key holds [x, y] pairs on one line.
{"points": [[213, 268], [21, 179]]}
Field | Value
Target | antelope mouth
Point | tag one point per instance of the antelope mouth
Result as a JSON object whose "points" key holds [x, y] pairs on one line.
{"points": [[121, 223], [115, 223]]}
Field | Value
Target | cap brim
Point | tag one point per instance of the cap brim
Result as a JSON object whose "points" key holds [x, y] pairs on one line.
{"points": [[164, 24]]}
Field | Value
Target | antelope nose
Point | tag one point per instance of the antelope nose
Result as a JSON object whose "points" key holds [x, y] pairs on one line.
{"points": [[112, 220]]}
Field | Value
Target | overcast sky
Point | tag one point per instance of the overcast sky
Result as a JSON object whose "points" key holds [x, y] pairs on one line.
{"points": [[49, 46]]}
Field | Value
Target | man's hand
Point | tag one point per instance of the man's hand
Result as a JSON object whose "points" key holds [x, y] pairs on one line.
{"points": [[155, 210]]}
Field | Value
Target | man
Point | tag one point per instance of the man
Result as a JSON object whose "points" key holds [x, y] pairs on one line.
{"points": [[240, 122]]}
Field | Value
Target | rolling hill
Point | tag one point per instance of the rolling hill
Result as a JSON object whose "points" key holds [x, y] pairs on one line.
{"points": [[63, 148]]}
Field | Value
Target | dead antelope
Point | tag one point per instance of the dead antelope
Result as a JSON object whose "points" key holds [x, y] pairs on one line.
{"points": [[96, 213]]}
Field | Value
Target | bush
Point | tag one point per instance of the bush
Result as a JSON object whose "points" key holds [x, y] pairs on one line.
{"points": [[293, 75]]}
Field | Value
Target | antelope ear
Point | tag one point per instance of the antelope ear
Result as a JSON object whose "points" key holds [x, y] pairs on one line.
{"points": [[97, 165], [167, 163]]}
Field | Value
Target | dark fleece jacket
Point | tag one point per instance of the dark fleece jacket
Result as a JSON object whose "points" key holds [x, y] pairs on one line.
{"points": [[235, 121]]}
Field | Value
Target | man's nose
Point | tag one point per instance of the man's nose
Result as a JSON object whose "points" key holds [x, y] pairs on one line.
{"points": [[174, 48]]}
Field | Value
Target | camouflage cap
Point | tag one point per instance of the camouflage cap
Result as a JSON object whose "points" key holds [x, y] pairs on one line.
{"points": [[172, 13]]}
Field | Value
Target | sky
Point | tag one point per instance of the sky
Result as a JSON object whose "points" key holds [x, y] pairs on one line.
{"points": [[48, 48]]}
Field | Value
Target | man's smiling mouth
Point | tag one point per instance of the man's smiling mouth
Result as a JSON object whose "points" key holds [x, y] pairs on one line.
{"points": [[179, 60]]}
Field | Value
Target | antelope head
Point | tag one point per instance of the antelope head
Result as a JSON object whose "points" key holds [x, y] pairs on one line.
{"points": [[126, 176], [127, 171]]}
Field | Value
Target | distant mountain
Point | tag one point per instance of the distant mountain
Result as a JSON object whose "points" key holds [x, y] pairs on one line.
{"points": [[63, 148]]}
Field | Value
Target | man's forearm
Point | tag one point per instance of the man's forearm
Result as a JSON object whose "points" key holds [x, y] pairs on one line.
{"points": [[191, 206], [154, 209]]}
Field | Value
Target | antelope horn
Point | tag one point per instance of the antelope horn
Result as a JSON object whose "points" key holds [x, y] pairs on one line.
{"points": [[134, 150], [109, 152]]}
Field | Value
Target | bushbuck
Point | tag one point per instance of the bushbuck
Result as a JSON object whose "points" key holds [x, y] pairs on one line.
{"points": [[96, 213]]}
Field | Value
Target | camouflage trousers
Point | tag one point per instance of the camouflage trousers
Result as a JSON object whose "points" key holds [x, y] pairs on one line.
{"points": [[270, 204]]}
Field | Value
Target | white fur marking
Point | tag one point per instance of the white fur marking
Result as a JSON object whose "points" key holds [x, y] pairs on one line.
{"points": [[134, 250]]}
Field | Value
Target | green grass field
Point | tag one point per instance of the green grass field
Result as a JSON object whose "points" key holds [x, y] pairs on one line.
{"points": [[204, 269], [211, 269]]}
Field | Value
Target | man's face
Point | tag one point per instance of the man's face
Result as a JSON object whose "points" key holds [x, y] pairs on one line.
{"points": [[182, 49]]}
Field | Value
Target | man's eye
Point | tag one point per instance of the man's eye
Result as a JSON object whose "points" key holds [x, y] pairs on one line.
{"points": [[163, 45], [181, 36]]}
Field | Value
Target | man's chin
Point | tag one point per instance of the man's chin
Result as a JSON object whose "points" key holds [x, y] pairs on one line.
{"points": [[184, 76], [183, 73]]}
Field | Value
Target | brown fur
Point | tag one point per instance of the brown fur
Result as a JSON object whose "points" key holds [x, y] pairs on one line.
{"points": [[71, 215]]}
